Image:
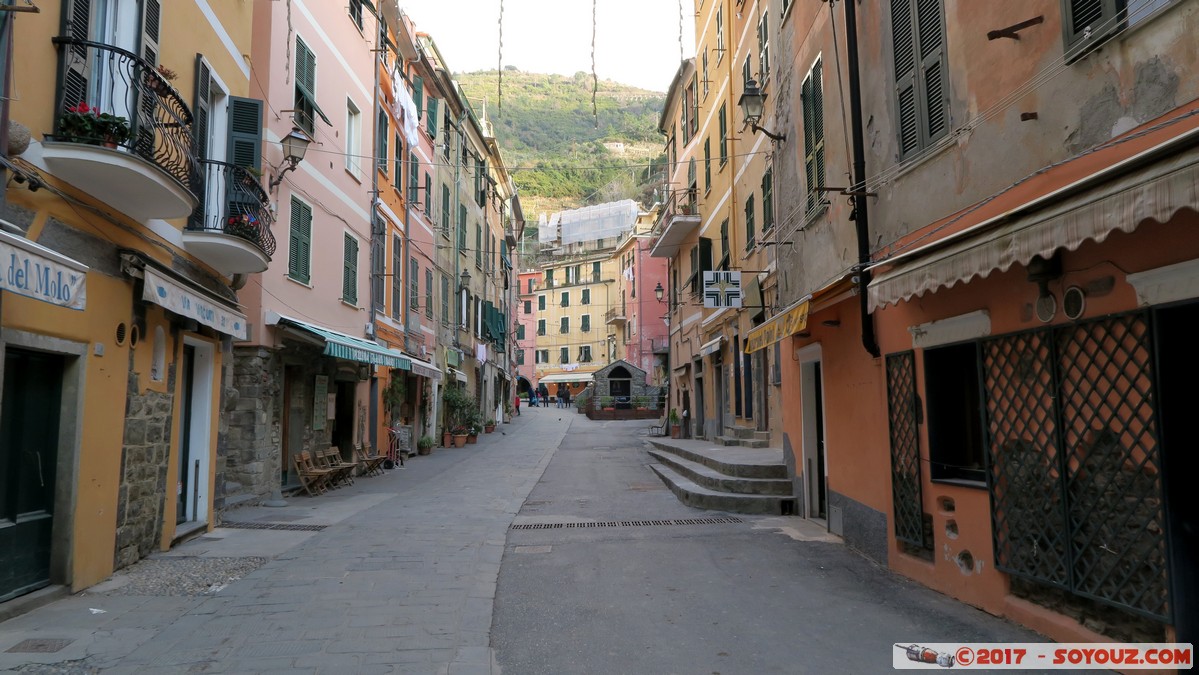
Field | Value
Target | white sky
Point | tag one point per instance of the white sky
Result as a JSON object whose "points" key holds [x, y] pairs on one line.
{"points": [[636, 41]]}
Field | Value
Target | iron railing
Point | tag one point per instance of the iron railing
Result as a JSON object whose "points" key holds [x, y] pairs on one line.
{"points": [[118, 82], [678, 203], [233, 202], [613, 313]]}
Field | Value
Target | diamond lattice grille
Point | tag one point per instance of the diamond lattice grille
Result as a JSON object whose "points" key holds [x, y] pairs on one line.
{"points": [[905, 449]]}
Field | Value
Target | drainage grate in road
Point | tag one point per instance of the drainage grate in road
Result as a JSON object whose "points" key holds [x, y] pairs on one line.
{"points": [[235, 525], [39, 646], [629, 523]]}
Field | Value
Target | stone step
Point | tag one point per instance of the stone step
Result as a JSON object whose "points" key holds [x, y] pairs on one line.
{"points": [[740, 432], [232, 501], [698, 496], [727, 440], [728, 463], [714, 480], [762, 436], [755, 443]]}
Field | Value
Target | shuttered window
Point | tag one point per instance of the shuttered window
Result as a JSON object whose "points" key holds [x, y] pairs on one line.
{"points": [[520, 331], [299, 250], [414, 284], [701, 261], [585, 323], [429, 292], [418, 95], [462, 228], [764, 47], [399, 160], [305, 94], [378, 267], [566, 298], [707, 165], [349, 270], [445, 209], [725, 248], [413, 179], [1087, 23], [428, 195], [921, 73], [541, 303], [585, 354], [812, 97], [564, 326], [541, 326], [397, 283], [767, 200], [445, 299], [750, 234], [724, 134], [586, 297], [431, 118], [564, 355], [382, 134]]}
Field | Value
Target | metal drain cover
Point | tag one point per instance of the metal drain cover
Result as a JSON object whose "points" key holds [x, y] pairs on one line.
{"points": [[298, 527], [629, 523], [39, 646]]}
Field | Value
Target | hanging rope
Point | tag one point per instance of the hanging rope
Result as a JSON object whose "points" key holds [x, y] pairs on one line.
{"points": [[681, 57], [499, 67], [594, 77]]}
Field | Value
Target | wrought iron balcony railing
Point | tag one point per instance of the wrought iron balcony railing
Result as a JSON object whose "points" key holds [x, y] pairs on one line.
{"points": [[233, 202], [157, 122]]}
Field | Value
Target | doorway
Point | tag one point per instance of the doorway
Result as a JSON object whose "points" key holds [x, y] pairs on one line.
{"points": [[195, 436], [1180, 461], [294, 416], [343, 421], [29, 442], [718, 397], [815, 468]]}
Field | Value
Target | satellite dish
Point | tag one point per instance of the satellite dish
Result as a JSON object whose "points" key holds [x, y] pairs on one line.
{"points": [[1046, 307]]}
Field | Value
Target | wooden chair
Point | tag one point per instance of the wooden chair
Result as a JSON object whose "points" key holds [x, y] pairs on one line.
{"points": [[343, 472], [659, 429], [370, 462], [313, 479]]}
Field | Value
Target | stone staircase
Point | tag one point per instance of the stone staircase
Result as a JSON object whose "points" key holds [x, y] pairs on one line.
{"points": [[744, 437], [734, 480]]}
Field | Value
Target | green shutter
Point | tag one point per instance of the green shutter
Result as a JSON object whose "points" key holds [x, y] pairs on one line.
{"points": [[724, 134], [431, 120], [749, 222], [349, 278], [300, 241], [418, 95], [585, 323], [76, 24], [382, 134]]}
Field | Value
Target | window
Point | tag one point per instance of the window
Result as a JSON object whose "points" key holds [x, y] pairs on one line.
{"points": [[349, 270], [399, 161], [541, 303], [299, 250], [445, 209], [429, 292], [921, 72], [549, 279], [528, 306], [462, 228], [707, 165], [306, 109], [413, 177], [767, 201], [382, 134], [564, 355], [724, 132], [356, 13], [520, 357], [692, 185], [586, 300], [431, 118], [445, 299], [418, 96], [585, 323], [685, 122], [595, 272], [585, 354], [785, 6], [693, 101], [520, 331], [747, 73], [566, 298], [719, 34], [672, 150], [701, 261], [353, 137], [537, 356], [953, 401], [414, 284], [541, 326], [1087, 23], [397, 282], [445, 124], [705, 73], [749, 222], [530, 285], [764, 47], [428, 196], [378, 262], [564, 326], [812, 97]]}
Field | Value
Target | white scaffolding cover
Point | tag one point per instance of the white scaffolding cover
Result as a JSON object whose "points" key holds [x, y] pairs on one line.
{"points": [[594, 222]]}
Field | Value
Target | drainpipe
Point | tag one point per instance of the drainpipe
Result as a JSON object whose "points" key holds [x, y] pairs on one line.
{"points": [[860, 210], [374, 169]]}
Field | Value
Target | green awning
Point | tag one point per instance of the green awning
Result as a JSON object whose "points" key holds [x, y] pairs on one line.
{"points": [[342, 346]]}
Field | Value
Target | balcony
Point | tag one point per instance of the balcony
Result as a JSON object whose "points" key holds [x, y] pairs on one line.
{"points": [[679, 220], [150, 174], [231, 228], [614, 316]]}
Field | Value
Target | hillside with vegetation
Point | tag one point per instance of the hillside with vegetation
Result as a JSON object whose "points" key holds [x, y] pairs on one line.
{"points": [[563, 155]]}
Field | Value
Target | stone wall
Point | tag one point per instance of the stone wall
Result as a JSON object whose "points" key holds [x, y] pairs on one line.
{"points": [[144, 456], [251, 462]]}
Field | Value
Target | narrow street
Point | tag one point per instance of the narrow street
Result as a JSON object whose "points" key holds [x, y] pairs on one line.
{"points": [[399, 574]]}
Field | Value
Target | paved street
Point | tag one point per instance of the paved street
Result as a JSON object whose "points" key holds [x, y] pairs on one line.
{"points": [[399, 574]]}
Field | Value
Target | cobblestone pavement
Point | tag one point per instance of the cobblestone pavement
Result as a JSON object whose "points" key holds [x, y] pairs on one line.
{"points": [[396, 573]]}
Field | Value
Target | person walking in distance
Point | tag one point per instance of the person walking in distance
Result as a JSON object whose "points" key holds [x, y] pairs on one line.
{"points": [[516, 405], [565, 397], [543, 393]]}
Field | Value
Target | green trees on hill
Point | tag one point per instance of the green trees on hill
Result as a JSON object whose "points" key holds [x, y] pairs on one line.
{"points": [[549, 133]]}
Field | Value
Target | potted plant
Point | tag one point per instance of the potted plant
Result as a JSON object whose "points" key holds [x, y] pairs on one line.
{"points": [[396, 391], [447, 438], [425, 445], [159, 80], [489, 426], [460, 433], [674, 423], [85, 124]]}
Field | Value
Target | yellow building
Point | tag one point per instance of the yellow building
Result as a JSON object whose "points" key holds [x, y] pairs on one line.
{"points": [[133, 214]]}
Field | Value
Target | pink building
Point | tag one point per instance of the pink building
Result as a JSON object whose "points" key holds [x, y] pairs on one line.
{"points": [[528, 281], [643, 339]]}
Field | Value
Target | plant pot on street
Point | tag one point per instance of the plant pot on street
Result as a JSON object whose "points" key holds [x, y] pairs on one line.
{"points": [[447, 439], [459, 440], [489, 428], [473, 438], [424, 451], [675, 430]]}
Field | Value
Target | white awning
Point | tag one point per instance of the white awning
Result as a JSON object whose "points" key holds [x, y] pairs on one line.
{"points": [[458, 374], [425, 369], [185, 302], [1054, 209], [566, 377], [711, 346]]}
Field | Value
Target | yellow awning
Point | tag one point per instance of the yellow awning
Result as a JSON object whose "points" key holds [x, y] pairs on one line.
{"points": [[782, 325]]}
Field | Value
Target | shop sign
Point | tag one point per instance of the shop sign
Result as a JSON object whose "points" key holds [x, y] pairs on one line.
{"points": [[34, 271], [160, 290], [788, 323]]}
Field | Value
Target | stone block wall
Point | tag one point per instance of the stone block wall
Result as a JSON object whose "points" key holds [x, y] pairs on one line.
{"points": [[251, 457], [144, 456]]}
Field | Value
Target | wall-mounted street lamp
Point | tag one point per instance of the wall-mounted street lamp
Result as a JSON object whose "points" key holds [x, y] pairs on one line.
{"points": [[659, 291], [753, 103], [295, 144], [464, 280]]}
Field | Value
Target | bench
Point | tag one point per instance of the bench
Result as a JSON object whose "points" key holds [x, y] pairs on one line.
{"points": [[659, 429]]}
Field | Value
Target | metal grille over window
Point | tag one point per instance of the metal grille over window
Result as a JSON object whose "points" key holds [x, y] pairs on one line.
{"points": [[1077, 490], [905, 449]]}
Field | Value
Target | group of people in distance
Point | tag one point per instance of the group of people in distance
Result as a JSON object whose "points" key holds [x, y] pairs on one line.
{"points": [[540, 396]]}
